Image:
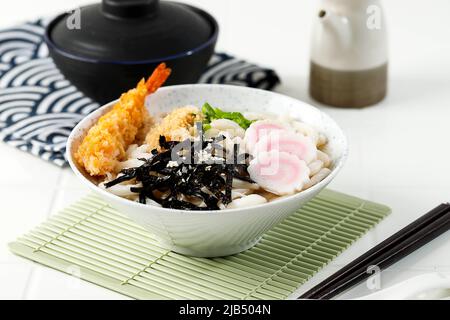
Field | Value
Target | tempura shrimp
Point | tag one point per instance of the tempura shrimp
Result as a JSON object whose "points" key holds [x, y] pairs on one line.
{"points": [[107, 141]]}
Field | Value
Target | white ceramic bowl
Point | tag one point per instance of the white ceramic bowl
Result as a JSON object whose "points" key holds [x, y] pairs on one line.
{"points": [[216, 233]]}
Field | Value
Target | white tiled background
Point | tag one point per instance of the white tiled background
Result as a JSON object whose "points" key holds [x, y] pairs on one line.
{"points": [[400, 153]]}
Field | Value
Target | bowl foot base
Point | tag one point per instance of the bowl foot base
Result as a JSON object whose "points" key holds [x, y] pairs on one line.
{"points": [[208, 252]]}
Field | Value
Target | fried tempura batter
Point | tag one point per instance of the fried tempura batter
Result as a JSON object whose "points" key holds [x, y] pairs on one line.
{"points": [[107, 141], [170, 127]]}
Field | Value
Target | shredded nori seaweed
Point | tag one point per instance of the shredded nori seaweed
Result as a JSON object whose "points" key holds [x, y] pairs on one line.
{"points": [[183, 185]]}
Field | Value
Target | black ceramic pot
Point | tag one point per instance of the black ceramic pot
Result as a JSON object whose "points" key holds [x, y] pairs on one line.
{"points": [[106, 48]]}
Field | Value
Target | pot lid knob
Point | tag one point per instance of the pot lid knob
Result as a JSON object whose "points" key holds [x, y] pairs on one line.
{"points": [[123, 9]]}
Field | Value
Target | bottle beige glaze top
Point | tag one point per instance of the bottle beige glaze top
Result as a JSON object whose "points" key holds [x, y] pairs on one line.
{"points": [[349, 61]]}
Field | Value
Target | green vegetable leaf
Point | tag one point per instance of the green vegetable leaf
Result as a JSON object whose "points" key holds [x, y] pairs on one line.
{"points": [[208, 112], [211, 114]]}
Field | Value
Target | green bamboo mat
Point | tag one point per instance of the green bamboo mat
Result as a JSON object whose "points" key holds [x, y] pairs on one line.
{"points": [[113, 252]]}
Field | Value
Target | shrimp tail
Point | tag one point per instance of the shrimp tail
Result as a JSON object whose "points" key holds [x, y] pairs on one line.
{"points": [[158, 77]]}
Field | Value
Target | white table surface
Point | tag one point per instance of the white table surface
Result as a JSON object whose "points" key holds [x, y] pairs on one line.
{"points": [[400, 154]]}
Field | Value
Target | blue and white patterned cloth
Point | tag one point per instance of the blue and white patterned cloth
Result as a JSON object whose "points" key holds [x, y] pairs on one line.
{"points": [[39, 107]]}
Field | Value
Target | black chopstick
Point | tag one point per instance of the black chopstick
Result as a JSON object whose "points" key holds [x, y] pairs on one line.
{"points": [[365, 260], [391, 250], [387, 259]]}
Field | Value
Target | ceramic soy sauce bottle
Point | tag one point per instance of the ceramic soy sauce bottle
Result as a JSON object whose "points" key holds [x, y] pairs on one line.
{"points": [[349, 62]]}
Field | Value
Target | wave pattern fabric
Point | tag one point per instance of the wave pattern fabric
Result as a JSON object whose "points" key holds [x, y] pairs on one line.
{"points": [[39, 107]]}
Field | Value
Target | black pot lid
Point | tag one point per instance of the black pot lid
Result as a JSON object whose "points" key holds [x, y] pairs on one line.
{"points": [[127, 31]]}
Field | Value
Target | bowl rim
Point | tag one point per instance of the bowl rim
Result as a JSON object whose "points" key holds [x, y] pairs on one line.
{"points": [[213, 38], [286, 199]]}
